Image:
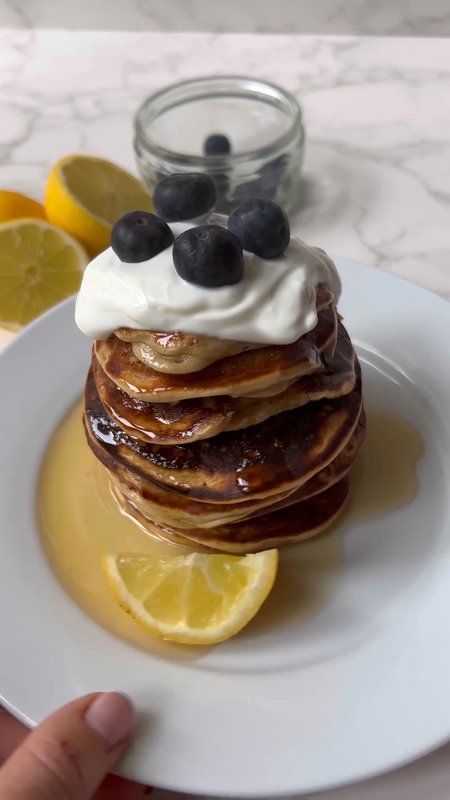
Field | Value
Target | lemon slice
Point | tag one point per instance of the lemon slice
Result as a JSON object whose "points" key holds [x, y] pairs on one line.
{"points": [[14, 205], [39, 266], [195, 599], [85, 196]]}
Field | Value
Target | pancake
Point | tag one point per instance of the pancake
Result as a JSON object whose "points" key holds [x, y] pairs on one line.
{"points": [[162, 423], [275, 456], [180, 353], [175, 510], [238, 375], [201, 418], [286, 526]]}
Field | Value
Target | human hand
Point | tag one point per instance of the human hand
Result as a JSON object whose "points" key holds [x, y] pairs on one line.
{"points": [[69, 754]]}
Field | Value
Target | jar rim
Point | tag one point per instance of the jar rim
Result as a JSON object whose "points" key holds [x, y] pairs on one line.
{"points": [[248, 87]]}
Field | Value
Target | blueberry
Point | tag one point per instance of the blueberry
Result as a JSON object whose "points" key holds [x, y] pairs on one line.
{"points": [[261, 226], [208, 256], [184, 196], [217, 144], [139, 236]]}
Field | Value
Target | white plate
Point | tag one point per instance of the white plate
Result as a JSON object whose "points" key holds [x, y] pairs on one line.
{"points": [[358, 688]]}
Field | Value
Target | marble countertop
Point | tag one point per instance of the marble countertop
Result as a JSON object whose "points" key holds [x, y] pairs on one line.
{"points": [[376, 181], [376, 178], [369, 17]]}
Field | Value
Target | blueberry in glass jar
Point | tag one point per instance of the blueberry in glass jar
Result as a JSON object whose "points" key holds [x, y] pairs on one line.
{"points": [[217, 144], [184, 196]]}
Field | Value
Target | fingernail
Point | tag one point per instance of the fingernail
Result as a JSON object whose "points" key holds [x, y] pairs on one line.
{"points": [[111, 716]]}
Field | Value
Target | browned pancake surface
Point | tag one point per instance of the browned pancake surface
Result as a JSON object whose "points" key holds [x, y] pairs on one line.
{"points": [[281, 453], [241, 374], [286, 526], [162, 423], [201, 418], [176, 510]]}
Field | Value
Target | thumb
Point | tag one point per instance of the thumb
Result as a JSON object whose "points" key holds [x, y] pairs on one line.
{"points": [[68, 755]]}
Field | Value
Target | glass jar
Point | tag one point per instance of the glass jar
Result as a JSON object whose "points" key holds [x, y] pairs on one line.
{"points": [[262, 122]]}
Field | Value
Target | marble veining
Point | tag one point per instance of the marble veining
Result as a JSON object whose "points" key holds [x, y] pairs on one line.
{"points": [[376, 183], [369, 17]]}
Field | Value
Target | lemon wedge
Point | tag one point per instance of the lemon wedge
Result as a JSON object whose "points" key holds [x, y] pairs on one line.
{"points": [[14, 205], [39, 266], [86, 195], [197, 598]]}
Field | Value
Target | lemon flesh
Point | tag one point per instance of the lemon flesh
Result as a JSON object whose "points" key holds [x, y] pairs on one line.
{"points": [[86, 195], [40, 265], [194, 599]]}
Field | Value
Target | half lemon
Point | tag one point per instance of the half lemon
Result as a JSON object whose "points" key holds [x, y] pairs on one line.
{"points": [[15, 205], [86, 195], [39, 266]]}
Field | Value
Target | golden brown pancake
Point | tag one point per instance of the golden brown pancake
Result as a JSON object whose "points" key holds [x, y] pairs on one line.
{"points": [[180, 352], [202, 418], [274, 456], [286, 526], [175, 510], [162, 423], [242, 374]]}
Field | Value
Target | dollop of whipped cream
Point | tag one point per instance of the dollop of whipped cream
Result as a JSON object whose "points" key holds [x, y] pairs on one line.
{"points": [[274, 303]]}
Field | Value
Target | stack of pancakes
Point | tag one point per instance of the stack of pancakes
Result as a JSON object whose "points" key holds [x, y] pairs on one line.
{"points": [[234, 446]]}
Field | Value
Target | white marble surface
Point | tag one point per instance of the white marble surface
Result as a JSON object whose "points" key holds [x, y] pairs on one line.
{"points": [[392, 17], [376, 183]]}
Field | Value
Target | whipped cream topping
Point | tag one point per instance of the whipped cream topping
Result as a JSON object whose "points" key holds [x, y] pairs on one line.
{"points": [[274, 303]]}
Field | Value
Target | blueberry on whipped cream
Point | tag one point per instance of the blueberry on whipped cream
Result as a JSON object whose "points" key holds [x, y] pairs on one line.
{"points": [[251, 281], [208, 255], [261, 226], [139, 236], [184, 196]]}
